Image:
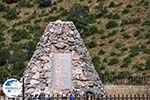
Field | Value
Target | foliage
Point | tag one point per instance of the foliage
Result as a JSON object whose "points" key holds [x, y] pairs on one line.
{"points": [[125, 11], [2, 7], [111, 4], [113, 16], [20, 34], [4, 74], [10, 1], [25, 3], [4, 55], [91, 44], [97, 64], [111, 24], [147, 23], [77, 14], [127, 61], [44, 3], [113, 61], [11, 14], [147, 66]]}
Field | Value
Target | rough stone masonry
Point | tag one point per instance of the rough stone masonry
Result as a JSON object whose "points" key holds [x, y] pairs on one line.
{"points": [[61, 62]]}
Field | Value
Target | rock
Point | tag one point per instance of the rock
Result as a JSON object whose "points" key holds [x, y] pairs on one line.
{"points": [[40, 74]]}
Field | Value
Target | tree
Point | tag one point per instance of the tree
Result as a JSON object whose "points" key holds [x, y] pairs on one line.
{"points": [[4, 55], [11, 14], [10, 1], [44, 3], [77, 14]]}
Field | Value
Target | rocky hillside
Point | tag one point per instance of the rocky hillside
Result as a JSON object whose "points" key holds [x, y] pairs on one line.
{"points": [[116, 32]]}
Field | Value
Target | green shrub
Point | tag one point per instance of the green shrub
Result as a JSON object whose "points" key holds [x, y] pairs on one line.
{"points": [[1, 37], [129, 6], [146, 51], [138, 67], [101, 31], [11, 14], [101, 52], [113, 16], [126, 35], [125, 11], [78, 14], [111, 4], [113, 61], [112, 33], [91, 44], [126, 62], [124, 22], [4, 74], [37, 20], [102, 11], [63, 12], [44, 3], [3, 27], [135, 49], [10, 1], [111, 24], [118, 45], [146, 23], [4, 55], [97, 64], [123, 74], [92, 29], [25, 3], [20, 34], [30, 47], [2, 7], [147, 66]]}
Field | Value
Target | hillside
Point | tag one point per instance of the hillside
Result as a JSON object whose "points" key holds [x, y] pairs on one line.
{"points": [[116, 32]]}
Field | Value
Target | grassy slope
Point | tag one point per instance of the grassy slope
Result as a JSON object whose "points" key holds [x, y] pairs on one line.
{"points": [[106, 41]]}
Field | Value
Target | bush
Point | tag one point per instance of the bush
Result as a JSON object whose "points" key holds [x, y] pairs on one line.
{"points": [[2, 7], [78, 14], [10, 1], [135, 49], [4, 74], [11, 14], [111, 4], [123, 74], [147, 66], [125, 11], [129, 6], [101, 52], [138, 67], [30, 47], [113, 16], [102, 12], [92, 29], [126, 35], [1, 37], [146, 51], [4, 55], [126, 62], [97, 64], [111, 24], [118, 45], [101, 31], [20, 34], [25, 3], [146, 23], [91, 44], [113, 61], [44, 3]]}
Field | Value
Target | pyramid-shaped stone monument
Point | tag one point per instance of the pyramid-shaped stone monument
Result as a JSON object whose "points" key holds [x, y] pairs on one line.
{"points": [[61, 62]]}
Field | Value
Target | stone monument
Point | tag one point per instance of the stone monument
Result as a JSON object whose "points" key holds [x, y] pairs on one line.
{"points": [[61, 63]]}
